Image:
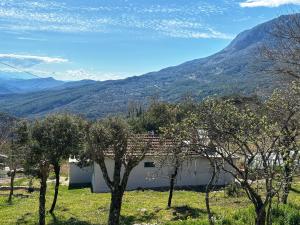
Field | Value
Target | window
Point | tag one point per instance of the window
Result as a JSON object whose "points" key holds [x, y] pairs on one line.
{"points": [[149, 164]]}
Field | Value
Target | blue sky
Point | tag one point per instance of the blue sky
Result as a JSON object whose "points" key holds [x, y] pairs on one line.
{"points": [[112, 39]]}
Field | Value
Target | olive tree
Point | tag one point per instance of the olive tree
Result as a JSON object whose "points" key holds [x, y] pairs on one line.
{"points": [[112, 139], [39, 159], [284, 109], [6, 124], [16, 150], [175, 137], [252, 137], [64, 137]]}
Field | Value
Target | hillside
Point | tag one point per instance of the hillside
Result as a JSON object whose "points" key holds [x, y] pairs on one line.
{"points": [[10, 86], [237, 69]]}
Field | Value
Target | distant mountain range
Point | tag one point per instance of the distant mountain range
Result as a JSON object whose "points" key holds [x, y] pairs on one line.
{"points": [[237, 69], [13, 86]]}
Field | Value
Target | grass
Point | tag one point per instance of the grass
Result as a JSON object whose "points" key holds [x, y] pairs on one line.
{"points": [[81, 207]]}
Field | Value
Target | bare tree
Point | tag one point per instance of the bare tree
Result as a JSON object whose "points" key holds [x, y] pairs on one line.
{"points": [[284, 109], [175, 139], [176, 135], [112, 139], [249, 135], [283, 53]]}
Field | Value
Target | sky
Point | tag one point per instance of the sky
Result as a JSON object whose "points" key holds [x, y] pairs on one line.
{"points": [[114, 39]]}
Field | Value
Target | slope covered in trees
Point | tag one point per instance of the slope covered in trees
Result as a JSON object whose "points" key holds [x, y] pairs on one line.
{"points": [[237, 69]]}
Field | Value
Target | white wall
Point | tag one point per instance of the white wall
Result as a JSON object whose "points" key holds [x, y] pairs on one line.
{"points": [[195, 171], [79, 175]]}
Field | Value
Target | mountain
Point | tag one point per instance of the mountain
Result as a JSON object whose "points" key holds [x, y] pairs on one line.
{"points": [[237, 69], [11, 86]]}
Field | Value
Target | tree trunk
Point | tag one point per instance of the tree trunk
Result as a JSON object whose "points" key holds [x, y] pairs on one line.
{"points": [[57, 176], [172, 183], [42, 205], [12, 179], [269, 214], [115, 207], [207, 191], [287, 185], [260, 216], [258, 203]]}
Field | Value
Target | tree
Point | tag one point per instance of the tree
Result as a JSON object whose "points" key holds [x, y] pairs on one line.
{"points": [[283, 53], [158, 115], [63, 136], [6, 123], [38, 160], [284, 109], [207, 149], [16, 150], [112, 138], [254, 138], [175, 139]]}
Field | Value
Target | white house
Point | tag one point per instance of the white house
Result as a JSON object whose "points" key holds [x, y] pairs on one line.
{"points": [[195, 171]]}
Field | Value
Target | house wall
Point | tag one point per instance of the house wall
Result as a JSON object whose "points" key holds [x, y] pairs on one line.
{"points": [[195, 171], [79, 176]]}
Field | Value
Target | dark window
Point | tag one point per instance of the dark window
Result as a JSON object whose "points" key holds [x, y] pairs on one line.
{"points": [[149, 164]]}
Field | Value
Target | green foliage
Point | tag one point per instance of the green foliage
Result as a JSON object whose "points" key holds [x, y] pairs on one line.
{"points": [[80, 206], [158, 115], [286, 215], [16, 146], [233, 190], [63, 136]]}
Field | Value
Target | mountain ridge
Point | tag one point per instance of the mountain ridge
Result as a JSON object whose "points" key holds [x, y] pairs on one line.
{"points": [[237, 69]]}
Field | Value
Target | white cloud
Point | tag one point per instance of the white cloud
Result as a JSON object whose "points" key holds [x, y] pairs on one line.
{"points": [[31, 39], [80, 74], [41, 59], [172, 21], [68, 74], [268, 3]]}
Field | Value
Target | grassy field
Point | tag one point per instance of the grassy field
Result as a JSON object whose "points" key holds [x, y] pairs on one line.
{"points": [[81, 207]]}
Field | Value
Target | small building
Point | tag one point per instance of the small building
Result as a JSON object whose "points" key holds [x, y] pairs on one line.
{"points": [[3, 168], [195, 171]]}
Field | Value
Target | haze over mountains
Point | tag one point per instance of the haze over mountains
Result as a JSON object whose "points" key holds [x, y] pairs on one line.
{"points": [[237, 69]]}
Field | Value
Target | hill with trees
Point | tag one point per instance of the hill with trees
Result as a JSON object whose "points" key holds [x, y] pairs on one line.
{"points": [[240, 68]]}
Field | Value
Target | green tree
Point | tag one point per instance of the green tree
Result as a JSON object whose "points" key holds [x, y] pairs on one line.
{"points": [[53, 139], [38, 161], [64, 136], [16, 150], [159, 114], [112, 139], [6, 124]]}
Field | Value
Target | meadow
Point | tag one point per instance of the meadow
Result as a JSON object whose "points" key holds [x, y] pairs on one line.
{"points": [[81, 207]]}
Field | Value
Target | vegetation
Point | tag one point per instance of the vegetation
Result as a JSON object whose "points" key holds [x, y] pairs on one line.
{"points": [[112, 139], [48, 142], [15, 149], [263, 136], [64, 136], [235, 70], [256, 142], [81, 207]]}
